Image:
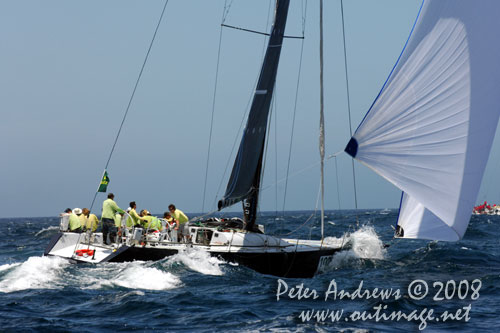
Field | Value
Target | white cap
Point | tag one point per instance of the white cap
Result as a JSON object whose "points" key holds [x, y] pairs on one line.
{"points": [[77, 211]]}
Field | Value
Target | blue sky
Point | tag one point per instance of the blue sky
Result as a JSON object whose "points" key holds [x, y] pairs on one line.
{"points": [[68, 69]]}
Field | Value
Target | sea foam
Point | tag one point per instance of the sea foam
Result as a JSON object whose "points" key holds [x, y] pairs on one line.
{"points": [[137, 276], [34, 273], [199, 261], [361, 244], [131, 275], [8, 266]]}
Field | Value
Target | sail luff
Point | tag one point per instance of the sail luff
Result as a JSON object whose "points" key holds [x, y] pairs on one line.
{"points": [[244, 181]]}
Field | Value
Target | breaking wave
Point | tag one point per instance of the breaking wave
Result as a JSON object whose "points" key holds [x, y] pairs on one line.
{"points": [[130, 275], [34, 273], [50, 230], [52, 273], [136, 276], [199, 261], [361, 244], [8, 266]]}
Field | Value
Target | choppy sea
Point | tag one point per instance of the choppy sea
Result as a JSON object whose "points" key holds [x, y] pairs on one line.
{"points": [[377, 284]]}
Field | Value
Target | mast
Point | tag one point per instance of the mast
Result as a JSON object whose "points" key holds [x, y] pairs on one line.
{"points": [[321, 120], [244, 182]]}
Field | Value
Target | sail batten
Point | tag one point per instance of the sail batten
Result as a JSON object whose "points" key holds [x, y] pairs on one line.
{"points": [[244, 181], [430, 130]]}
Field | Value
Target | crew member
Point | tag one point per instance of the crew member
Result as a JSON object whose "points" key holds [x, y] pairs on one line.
{"points": [[82, 217], [168, 217], [109, 209], [171, 225], [92, 220], [134, 219], [151, 223], [118, 221], [74, 221], [64, 226], [181, 218]]}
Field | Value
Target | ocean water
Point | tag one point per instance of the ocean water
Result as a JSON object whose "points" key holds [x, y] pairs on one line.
{"points": [[431, 286]]}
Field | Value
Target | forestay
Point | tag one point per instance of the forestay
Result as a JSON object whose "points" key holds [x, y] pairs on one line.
{"points": [[430, 130]]}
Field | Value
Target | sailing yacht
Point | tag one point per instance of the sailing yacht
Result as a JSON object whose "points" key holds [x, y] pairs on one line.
{"points": [[234, 240], [429, 132]]}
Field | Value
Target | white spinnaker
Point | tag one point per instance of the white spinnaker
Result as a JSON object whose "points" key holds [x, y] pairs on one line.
{"points": [[431, 128], [418, 222]]}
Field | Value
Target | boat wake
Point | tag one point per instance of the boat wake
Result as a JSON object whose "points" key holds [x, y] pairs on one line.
{"points": [[130, 275], [138, 276], [56, 272], [361, 244], [34, 273], [199, 261]]}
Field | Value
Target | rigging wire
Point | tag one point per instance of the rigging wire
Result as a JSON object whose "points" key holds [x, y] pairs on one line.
{"points": [[307, 220], [235, 141], [349, 107], [301, 171], [337, 179], [276, 159], [264, 162], [315, 210], [226, 10], [270, 117], [304, 12], [224, 15], [133, 92], [269, 8]]}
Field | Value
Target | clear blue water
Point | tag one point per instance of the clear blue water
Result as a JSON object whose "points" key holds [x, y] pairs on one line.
{"points": [[193, 292]]}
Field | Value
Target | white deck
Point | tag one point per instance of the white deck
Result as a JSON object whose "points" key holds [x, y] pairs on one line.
{"points": [[204, 238]]}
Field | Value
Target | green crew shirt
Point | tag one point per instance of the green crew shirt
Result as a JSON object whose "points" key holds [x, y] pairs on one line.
{"points": [[180, 216], [83, 220], [118, 220], [109, 209], [152, 222], [74, 222], [92, 222], [130, 221], [134, 219]]}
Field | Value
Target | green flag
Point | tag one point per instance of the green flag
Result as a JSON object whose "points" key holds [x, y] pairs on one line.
{"points": [[103, 186]]}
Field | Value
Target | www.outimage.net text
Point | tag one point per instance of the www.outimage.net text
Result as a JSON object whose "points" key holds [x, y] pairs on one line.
{"points": [[463, 290]]}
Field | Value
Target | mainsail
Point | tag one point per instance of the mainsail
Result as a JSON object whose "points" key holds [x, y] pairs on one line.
{"points": [[244, 182], [430, 129]]}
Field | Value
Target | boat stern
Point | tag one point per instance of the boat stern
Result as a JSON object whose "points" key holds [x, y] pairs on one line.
{"points": [[74, 246]]}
